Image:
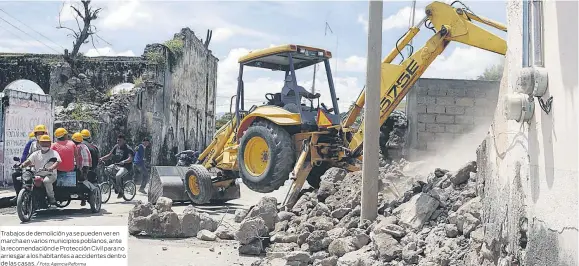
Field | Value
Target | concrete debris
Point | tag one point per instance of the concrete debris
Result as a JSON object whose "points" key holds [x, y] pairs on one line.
{"points": [[423, 220], [206, 235], [162, 221], [240, 215], [224, 233]]}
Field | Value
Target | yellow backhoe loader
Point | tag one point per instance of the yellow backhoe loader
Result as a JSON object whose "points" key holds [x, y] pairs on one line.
{"points": [[265, 145]]}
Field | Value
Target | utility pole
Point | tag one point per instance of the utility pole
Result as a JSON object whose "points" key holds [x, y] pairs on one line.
{"points": [[372, 114]]}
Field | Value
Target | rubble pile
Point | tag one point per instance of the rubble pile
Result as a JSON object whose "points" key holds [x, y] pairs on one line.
{"points": [[433, 220], [114, 110], [161, 221]]}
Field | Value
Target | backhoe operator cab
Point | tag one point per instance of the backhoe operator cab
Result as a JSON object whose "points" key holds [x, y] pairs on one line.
{"points": [[285, 101], [261, 144]]}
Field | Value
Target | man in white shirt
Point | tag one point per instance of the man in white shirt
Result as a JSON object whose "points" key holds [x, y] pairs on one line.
{"points": [[40, 159]]}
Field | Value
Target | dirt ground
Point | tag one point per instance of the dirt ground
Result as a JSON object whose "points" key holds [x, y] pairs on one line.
{"points": [[145, 251]]}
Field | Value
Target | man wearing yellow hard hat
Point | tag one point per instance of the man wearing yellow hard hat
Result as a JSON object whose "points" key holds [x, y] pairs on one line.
{"points": [[40, 158], [94, 150], [38, 131]]}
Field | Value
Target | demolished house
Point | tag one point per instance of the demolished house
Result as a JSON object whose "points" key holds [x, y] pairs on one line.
{"points": [[167, 94]]}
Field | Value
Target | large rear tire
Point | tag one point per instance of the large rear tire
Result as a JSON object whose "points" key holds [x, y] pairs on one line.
{"points": [[198, 184], [266, 157], [24, 205]]}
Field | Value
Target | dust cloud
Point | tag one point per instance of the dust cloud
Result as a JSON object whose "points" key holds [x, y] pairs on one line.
{"points": [[451, 154]]}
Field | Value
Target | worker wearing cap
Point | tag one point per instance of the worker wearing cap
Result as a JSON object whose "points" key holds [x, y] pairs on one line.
{"points": [[83, 160], [39, 130], [66, 149], [40, 159], [94, 150], [31, 139]]}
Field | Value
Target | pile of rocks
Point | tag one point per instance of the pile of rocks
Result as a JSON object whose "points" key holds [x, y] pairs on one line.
{"points": [[161, 221], [433, 221]]}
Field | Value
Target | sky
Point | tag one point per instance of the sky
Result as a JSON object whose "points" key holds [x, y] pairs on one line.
{"points": [[125, 27]]}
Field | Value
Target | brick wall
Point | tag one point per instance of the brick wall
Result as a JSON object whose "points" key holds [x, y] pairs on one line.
{"points": [[442, 110]]}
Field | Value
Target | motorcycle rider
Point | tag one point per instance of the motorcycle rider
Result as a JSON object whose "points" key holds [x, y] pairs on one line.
{"points": [[139, 163], [30, 147], [83, 160], [39, 159], [39, 130], [123, 156]]}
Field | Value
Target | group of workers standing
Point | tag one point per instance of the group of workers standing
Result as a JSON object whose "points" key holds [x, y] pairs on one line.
{"points": [[78, 154]]}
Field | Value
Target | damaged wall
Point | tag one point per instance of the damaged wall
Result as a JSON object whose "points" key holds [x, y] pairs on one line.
{"points": [[529, 170], [174, 104], [441, 110]]}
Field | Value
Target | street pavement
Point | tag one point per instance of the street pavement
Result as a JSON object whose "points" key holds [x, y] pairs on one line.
{"points": [[146, 251]]}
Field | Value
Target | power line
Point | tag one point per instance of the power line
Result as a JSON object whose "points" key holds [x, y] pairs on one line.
{"points": [[15, 35], [29, 35], [31, 28]]}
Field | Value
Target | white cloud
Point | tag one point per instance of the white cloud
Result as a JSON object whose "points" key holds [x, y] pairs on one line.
{"points": [[66, 13], [221, 34], [352, 64], [400, 20], [463, 63], [125, 14], [107, 51]]}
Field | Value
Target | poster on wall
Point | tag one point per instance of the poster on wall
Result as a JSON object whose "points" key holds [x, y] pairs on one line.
{"points": [[20, 118]]}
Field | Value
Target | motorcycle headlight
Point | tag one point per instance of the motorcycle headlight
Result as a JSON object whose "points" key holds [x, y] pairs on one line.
{"points": [[26, 176]]}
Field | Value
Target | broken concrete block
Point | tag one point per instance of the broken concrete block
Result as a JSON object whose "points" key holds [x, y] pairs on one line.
{"points": [[417, 210]]}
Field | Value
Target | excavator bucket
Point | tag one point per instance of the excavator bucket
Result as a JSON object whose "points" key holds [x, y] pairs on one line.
{"points": [[167, 181]]}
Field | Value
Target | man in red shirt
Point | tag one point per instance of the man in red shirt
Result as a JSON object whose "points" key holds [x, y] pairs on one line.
{"points": [[66, 149]]}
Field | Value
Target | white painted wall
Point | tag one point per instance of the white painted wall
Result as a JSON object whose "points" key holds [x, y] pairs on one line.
{"points": [[531, 169]]}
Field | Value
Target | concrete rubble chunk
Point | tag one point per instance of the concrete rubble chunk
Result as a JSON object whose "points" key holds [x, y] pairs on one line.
{"points": [[266, 209], [387, 247], [240, 215], [331, 261], [326, 189], [206, 235], [339, 247], [318, 240], [164, 204], [284, 216], [224, 233], [189, 224], [254, 247], [298, 256], [463, 174], [340, 213], [334, 175], [416, 211], [251, 229]]}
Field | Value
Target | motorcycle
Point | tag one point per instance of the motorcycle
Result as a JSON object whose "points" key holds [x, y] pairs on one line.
{"points": [[33, 195], [186, 158]]}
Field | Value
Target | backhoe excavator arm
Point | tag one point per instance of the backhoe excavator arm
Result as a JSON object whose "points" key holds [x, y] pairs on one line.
{"points": [[450, 24]]}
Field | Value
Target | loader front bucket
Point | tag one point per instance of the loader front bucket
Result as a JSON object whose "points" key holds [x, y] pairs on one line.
{"points": [[167, 181]]}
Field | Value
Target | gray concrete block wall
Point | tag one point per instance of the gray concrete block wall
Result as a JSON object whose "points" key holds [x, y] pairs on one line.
{"points": [[441, 110]]}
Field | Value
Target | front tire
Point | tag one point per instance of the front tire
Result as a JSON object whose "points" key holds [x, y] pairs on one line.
{"points": [[24, 205], [95, 200], [129, 190], [198, 184], [105, 192], [266, 157]]}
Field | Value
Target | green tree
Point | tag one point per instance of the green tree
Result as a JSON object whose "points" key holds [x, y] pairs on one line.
{"points": [[223, 120], [494, 72]]}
